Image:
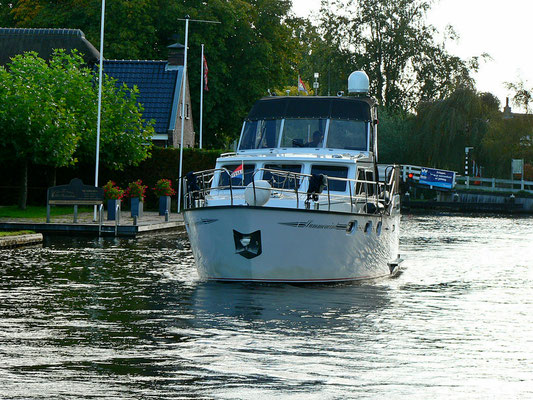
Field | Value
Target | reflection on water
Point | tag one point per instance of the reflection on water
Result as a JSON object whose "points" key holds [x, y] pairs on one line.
{"points": [[117, 318]]}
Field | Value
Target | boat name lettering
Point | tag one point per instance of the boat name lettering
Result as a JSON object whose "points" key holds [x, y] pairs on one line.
{"points": [[309, 224], [203, 221]]}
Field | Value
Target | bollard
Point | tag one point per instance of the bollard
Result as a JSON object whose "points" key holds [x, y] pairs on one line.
{"points": [[135, 220], [166, 215]]}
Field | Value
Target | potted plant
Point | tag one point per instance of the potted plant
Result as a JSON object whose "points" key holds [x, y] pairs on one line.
{"points": [[136, 191], [163, 189], [113, 194]]}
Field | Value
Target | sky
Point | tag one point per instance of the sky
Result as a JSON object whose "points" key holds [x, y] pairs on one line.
{"points": [[500, 28]]}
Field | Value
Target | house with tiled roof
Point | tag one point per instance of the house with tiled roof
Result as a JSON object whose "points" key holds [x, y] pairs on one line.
{"points": [[160, 85], [159, 82]]}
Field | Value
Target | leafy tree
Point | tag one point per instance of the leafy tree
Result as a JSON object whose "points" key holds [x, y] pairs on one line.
{"points": [[443, 128], [507, 139], [522, 97], [395, 138], [47, 110], [250, 51], [6, 18], [395, 45]]}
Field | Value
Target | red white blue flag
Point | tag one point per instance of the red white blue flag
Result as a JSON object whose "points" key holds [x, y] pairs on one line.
{"points": [[238, 172], [301, 86]]}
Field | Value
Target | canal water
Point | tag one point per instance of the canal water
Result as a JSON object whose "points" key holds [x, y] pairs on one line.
{"points": [[85, 318]]}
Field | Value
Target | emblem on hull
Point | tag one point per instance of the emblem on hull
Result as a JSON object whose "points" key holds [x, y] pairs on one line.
{"points": [[247, 245]]}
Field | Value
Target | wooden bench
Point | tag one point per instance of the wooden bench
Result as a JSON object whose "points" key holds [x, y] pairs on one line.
{"points": [[74, 194]]}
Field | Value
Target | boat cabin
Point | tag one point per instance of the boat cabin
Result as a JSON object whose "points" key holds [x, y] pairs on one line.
{"points": [[332, 136], [304, 123]]}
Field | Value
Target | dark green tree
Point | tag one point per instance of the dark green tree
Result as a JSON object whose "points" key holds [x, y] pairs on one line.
{"points": [[47, 110], [398, 49], [443, 128], [252, 50]]}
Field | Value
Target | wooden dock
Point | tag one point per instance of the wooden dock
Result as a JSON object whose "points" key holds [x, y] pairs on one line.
{"points": [[150, 222]]}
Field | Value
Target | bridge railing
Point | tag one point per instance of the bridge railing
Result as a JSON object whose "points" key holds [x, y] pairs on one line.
{"points": [[493, 184], [473, 182]]}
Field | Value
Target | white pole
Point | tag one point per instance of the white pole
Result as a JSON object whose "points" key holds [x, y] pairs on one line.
{"points": [[184, 78], [100, 77], [201, 94]]}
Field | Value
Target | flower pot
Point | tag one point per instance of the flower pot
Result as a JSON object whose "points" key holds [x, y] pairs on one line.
{"points": [[137, 207], [111, 209], [164, 205]]}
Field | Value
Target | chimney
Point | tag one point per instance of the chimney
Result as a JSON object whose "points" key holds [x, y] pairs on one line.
{"points": [[176, 54], [507, 114]]}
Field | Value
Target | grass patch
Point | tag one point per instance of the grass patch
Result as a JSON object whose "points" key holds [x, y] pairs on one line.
{"points": [[16, 233], [38, 211]]}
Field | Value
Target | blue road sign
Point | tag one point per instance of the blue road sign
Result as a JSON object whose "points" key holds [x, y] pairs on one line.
{"points": [[437, 178]]}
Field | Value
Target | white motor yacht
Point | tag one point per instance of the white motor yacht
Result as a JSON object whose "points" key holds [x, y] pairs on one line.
{"points": [[303, 198]]}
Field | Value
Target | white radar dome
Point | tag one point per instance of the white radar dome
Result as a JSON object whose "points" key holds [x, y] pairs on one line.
{"points": [[262, 193], [358, 82]]}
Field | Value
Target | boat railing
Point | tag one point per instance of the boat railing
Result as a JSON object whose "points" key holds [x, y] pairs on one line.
{"points": [[373, 195]]}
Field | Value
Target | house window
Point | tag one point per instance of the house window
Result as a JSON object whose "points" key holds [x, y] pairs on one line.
{"points": [[187, 111]]}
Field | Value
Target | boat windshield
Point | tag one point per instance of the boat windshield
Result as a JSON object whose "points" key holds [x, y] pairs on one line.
{"points": [[349, 135], [311, 133], [260, 134]]}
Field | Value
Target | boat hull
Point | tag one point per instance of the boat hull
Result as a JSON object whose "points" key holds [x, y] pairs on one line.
{"points": [[243, 243]]}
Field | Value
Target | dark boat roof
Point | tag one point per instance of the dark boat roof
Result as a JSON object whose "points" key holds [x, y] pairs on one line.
{"points": [[351, 108]]}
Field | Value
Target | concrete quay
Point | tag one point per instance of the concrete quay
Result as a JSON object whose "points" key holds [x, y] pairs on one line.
{"points": [[150, 222], [20, 240]]}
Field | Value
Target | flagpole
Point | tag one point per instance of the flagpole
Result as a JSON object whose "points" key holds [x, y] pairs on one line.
{"points": [[201, 94], [99, 112], [184, 79], [187, 19]]}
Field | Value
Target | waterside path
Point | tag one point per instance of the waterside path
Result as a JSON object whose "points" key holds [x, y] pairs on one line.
{"points": [[150, 222]]}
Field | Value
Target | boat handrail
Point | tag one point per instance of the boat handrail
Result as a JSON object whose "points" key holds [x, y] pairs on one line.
{"points": [[382, 192]]}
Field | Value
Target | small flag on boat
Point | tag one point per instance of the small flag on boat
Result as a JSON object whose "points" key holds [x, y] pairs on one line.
{"points": [[238, 172], [301, 86]]}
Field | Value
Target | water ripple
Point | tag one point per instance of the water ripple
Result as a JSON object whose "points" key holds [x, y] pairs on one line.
{"points": [[129, 319]]}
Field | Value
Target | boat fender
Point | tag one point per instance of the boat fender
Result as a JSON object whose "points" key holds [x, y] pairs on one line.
{"points": [[192, 185], [371, 208], [262, 193], [317, 183]]}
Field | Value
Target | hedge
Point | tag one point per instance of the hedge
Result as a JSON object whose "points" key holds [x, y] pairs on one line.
{"points": [[164, 163]]}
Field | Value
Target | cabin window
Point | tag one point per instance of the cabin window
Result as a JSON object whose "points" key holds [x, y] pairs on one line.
{"points": [[349, 135], [332, 171], [240, 180], [282, 181], [303, 133], [262, 134]]}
